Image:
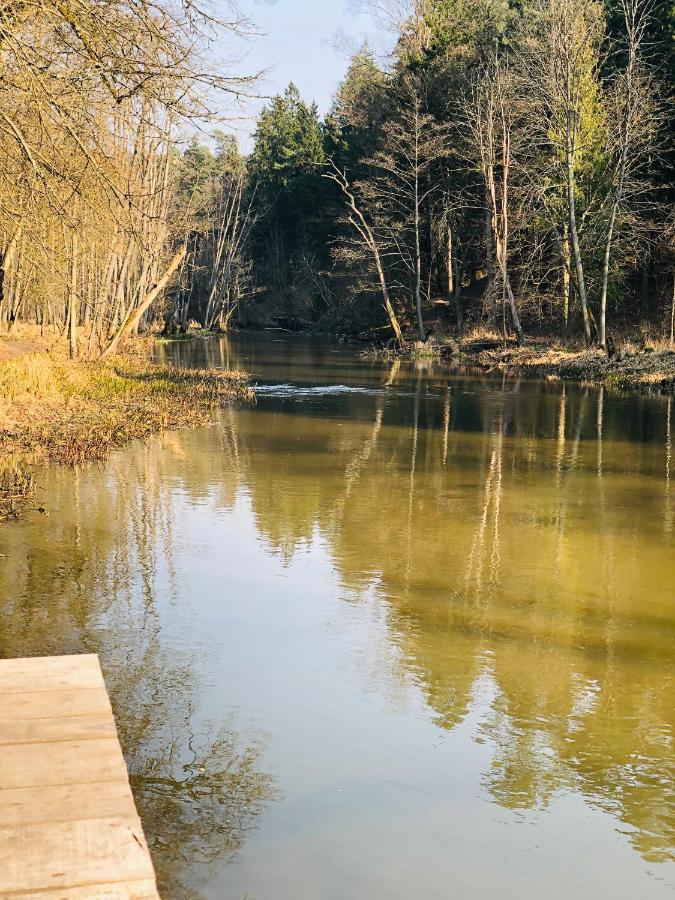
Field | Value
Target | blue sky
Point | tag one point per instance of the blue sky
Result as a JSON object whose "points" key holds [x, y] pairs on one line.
{"points": [[304, 41]]}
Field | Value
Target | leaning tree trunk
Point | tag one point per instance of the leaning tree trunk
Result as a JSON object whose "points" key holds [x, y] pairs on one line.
{"points": [[358, 221], [132, 319], [393, 319], [515, 319]]}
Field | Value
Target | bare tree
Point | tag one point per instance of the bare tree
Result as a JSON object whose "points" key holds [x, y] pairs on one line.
{"points": [[133, 316], [366, 241], [223, 256], [399, 183], [90, 101], [634, 125], [491, 116], [559, 61]]}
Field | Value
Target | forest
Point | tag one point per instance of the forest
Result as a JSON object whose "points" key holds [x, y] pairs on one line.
{"points": [[508, 168]]}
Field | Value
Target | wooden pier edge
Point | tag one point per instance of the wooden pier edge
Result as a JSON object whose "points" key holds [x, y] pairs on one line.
{"points": [[68, 823]]}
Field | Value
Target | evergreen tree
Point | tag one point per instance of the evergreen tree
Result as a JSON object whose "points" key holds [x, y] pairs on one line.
{"points": [[285, 165], [361, 105]]}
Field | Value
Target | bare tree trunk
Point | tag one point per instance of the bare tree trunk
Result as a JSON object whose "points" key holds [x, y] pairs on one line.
{"points": [[358, 221], [6, 262], [224, 320], [572, 224], [490, 111], [418, 259], [635, 29], [393, 319], [506, 166], [73, 305], [602, 331], [566, 279], [450, 264], [672, 317], [416, 221], [489, 242], [517, 327], [16, 296], [132, 320]]}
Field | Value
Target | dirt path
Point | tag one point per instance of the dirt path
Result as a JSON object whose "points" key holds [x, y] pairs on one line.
{"points": [[9, 348]]}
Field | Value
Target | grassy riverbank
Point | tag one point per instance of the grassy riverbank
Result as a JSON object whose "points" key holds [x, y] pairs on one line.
{"points": [[631, 366], [59, 411]]}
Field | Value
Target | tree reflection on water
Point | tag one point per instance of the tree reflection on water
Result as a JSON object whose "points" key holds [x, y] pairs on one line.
{"points": [[94, 587], [510, 539]]}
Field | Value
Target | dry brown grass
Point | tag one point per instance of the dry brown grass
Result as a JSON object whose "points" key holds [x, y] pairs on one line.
{"points": [[72, 411], [641, 360], [56, 410], [650, 368], [479, 333]]}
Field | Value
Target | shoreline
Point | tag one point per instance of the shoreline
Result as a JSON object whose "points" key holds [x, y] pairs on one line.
{"points": [[57, 411], [629, 369], [641, 371]]}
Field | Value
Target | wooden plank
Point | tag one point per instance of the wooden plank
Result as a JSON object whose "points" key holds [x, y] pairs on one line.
{"points": [[43, 704], [128, 890], [65, 762], [69, 854], [68, 822], [74, 728], [66, 802], [50, 673]]}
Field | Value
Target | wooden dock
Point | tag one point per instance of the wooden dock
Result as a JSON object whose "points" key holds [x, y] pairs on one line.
{"points": [[68, 824]]}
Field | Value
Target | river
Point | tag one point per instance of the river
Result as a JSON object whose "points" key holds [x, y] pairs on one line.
{"points": [[393, 632]]}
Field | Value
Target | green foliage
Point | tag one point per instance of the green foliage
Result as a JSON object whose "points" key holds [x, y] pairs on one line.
{"points": [[197, 172], [466, 28], [360, 106], [286, 166], [201, 171], [288, 141], [228, 158]]}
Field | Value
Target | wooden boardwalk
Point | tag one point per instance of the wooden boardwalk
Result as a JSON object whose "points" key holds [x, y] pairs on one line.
{"points": [[68, 824]]}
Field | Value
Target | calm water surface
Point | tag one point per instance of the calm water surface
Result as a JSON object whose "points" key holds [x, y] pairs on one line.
{"points": [[393, 632]]}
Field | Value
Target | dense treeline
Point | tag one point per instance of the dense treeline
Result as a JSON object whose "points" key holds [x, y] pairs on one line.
{"points": [[510, 168]]}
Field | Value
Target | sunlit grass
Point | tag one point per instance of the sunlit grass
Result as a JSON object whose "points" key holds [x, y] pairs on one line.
{"points": [[69, 412]]}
